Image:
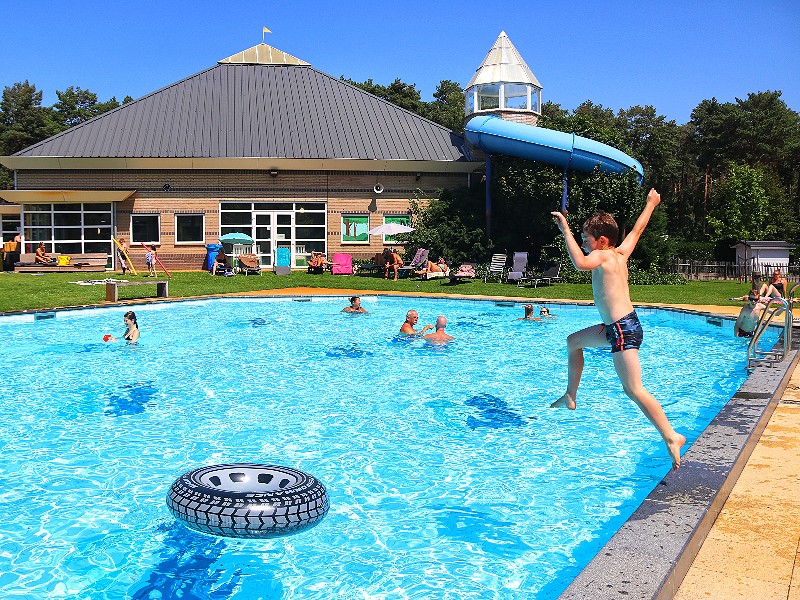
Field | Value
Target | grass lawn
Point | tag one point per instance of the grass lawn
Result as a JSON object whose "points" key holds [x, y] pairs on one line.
{"points": [[24, 291]]}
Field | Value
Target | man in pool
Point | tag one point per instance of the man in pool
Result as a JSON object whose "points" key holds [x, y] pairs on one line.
{"points": [[529, 316], [408, 326], [439, 336], [620, 327]]}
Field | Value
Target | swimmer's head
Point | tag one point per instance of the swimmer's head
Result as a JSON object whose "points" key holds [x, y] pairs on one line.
{"points": [[544, 311], [131, 316], [528, 310]]}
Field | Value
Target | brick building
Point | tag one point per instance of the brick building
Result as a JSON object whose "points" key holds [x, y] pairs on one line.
{"points": [[261, 143]]}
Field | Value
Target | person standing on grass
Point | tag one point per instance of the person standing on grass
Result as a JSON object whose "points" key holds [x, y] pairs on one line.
{"points": [[620, 327], [150, 261]]}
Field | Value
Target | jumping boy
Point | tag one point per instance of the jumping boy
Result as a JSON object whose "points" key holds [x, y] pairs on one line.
{"points": [[620, 327]]}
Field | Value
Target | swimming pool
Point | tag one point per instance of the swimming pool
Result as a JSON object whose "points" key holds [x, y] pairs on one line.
{"points": [[448, 476]]}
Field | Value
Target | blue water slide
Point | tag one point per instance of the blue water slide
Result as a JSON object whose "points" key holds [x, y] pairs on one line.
{"points": [[494, 135]]}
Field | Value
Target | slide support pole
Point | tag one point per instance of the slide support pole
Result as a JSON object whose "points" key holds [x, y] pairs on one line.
{"points": [[564, 193], [488, 196]]}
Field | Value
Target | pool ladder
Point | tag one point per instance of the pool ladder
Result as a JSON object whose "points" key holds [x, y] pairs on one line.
{"points": [[775, 308]]}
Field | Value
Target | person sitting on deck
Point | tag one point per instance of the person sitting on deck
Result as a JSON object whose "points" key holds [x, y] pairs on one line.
{"points": [[317, 262], [42, 257], [221, 264], [776, 288]]}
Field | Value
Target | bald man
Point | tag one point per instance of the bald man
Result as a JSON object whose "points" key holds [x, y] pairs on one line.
{"points": [[439, 336]]}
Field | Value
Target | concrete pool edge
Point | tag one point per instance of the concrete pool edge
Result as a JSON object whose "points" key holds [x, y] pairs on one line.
{"points": [[651, 553]]}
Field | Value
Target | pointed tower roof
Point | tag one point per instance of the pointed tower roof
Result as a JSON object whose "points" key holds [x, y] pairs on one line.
{"points": [[503, 63], [261, 54]]}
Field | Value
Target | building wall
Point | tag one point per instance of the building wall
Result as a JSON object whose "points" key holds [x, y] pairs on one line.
{"points": [[168, 193]]}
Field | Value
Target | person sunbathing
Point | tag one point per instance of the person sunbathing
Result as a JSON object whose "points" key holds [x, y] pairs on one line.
{"points": [[433, 267], [317, 262]]}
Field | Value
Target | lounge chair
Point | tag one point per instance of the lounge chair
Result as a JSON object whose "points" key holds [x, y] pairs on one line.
{"points": [[496, 267], [519, 268], [548, 276], [419, 262], [373, 267], [465, 272], [342, 264], [248, 264]]}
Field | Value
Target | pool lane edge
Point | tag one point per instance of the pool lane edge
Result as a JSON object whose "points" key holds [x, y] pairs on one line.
{"points": [[651, 553]]}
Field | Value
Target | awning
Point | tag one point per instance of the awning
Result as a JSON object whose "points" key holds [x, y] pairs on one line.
{"points": [[64, 196]]}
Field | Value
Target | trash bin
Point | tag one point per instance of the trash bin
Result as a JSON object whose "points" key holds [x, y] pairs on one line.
{"points": [[211, 253]]}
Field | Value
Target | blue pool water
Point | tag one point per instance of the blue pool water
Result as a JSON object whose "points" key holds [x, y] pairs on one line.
{"points": [[448, 475]]}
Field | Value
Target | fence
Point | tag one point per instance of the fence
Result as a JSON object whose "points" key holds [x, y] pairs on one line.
{"points": [[741, 271]]}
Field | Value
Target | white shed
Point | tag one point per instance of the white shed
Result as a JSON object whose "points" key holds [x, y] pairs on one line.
{"points": [[760, 255]]}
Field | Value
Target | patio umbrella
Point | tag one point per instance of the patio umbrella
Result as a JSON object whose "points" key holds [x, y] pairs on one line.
{"points": [[390, 229], [236, 238]]}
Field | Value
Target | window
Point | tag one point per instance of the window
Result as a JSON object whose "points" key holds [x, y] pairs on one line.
{"points": [[189, 229], [70, 228], [516, 96], [488, 96], [10, 226], [354, 229], [145, 229], [401, 220]]}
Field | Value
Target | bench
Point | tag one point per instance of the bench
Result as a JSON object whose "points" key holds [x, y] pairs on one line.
{"points": [[93, 263], [112, 288]]}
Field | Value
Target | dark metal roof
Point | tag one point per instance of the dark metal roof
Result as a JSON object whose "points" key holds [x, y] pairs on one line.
{"points": [[765, 244], [240, 110]]}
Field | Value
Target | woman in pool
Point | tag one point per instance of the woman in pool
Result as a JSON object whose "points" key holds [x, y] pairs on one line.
{"points": [[131, 328]]}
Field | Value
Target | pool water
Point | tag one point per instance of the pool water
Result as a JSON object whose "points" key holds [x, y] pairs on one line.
{"points": [[447, 473]]}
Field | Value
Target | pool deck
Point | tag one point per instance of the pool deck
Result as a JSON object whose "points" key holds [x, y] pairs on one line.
{"points": [[723, 537]]}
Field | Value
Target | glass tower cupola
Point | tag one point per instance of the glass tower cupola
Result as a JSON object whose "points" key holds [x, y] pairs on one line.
{"points": [[504, 85]]}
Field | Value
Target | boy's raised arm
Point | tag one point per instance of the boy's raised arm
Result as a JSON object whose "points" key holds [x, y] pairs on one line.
{"points": [[630, 241], [581, 261]]}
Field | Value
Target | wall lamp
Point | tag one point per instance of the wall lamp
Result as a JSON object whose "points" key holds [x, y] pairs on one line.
{"points": [[273, 173]]}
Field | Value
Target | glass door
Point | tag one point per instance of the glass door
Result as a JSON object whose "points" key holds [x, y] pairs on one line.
{"points": [[273, 230], [284, 237]]}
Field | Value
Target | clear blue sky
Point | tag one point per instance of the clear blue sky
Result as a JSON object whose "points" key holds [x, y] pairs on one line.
{"points": [[671, 55]]}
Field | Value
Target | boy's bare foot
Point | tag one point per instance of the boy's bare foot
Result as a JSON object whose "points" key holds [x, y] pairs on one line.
{"points": [[674, 448], [566, 401]]}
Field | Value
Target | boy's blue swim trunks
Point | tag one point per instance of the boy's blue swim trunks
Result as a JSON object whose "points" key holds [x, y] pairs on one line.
{"points": [[625, 333]]}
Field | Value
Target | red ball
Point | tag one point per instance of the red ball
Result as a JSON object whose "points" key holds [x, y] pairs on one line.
{"points": [[106, 337]]}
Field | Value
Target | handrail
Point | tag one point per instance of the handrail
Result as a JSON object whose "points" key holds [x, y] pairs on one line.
{"points": [[756, 357]]}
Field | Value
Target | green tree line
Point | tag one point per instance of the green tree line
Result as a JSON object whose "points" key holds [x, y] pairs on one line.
{"points": [[731, 173], [24, 121]]}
